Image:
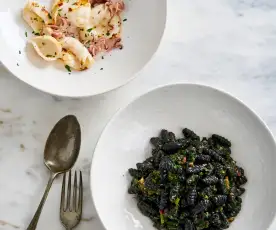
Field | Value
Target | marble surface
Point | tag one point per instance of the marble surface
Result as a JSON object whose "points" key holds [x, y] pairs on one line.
{"points": [[228, 44]]}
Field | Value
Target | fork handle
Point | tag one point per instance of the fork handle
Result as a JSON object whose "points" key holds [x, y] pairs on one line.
{"points": [[33, 224]]}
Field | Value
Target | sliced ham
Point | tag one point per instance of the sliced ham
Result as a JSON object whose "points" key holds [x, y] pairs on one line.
{"points": [[62, 28], [115, 6], [104, 45]]}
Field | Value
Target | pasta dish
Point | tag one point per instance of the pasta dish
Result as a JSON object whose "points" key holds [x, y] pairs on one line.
{"points": [[75, 31]]}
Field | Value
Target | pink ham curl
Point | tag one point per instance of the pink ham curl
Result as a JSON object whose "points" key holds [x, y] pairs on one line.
{"points": [[104, 45], [115, 6]]}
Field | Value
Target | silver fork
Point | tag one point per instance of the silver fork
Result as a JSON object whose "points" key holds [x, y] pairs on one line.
{"points": [[71, 207]]}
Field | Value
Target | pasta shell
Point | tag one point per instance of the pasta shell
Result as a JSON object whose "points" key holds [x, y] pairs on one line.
{"points": [[80, 16], [40, 11], [100, 15], [115, 24], [78, 13], [93, 33], [71, 60], [33, 20], [47, 47], [79, 50]]}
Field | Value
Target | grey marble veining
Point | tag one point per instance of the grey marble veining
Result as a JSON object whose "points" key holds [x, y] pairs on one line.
{"points": [[227, 44]]}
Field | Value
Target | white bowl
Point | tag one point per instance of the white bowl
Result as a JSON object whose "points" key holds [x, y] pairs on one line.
{"points": [[125, 141], [142, 33]]}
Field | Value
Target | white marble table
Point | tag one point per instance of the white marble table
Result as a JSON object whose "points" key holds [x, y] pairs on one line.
{"points": [[229, 44]]}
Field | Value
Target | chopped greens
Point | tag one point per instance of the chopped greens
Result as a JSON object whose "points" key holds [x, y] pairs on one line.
{"points": [[188, 183], [68, 68], [90, 29]]}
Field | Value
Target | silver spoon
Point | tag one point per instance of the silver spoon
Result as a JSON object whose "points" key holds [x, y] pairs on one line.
{"points": [[60, 154]]}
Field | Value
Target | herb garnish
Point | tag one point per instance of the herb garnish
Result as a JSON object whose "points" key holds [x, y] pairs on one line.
{"points": [[68, 68]]}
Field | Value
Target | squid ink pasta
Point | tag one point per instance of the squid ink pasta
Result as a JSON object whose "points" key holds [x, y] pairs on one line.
{"points": [[189, 183]]}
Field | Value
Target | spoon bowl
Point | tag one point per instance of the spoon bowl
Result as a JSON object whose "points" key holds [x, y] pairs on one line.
{"points": [[63, 145]]}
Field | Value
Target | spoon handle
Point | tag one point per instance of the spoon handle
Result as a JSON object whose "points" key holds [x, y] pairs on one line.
{"points": [[35, 219]]}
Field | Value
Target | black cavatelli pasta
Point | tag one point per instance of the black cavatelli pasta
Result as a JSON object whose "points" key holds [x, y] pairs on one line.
{"points": [[221, 140], [152, 183], [164, 199], [156, 142], [164, 135], [241, 180], [146, 209], [190, 134], [171, 147], [215, 220], [240, 191], [196, 169], [146, 167], [219, 170], [188, 183], [209, 180], [219, 200], [201, 207], [189, 225], [208, 191], [171, 136], [135, 173], [215, 155], [224, 221], [202, 158], [184, 142], [184, 203], [191, 196], [175, 194], [157, 157], [166, 164], [192, 180], [209, 169], [223, 187], [134, 187]]}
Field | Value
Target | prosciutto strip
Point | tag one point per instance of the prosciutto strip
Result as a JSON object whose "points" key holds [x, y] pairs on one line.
{"points": [[104, 45]]}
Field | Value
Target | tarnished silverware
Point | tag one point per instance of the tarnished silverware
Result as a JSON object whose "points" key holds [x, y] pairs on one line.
{"points": [[60, 154], [71, 207]]}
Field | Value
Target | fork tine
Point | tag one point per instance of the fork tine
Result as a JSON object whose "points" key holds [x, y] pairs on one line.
{"points": [[80, 194], [63, 193], [75, 192], [69, 192]]}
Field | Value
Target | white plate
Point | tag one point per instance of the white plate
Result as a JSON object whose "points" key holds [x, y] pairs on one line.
{"points": [[125, 141], [142, 33]]}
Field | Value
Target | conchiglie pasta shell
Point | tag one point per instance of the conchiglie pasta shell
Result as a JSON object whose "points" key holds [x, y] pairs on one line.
{"points": [[47, 47], [115, 23], [79, 50], [78, 13], [40, 11], [71, 60], [33, 20], [88, 33]]}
